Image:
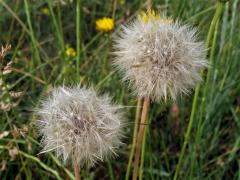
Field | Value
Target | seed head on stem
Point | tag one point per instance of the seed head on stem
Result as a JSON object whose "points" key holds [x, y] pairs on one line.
{"points": [[79, 125], [159, 58]]}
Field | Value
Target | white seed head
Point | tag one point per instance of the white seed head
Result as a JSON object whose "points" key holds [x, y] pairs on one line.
{"points": [[77, 124], [159, 57]]}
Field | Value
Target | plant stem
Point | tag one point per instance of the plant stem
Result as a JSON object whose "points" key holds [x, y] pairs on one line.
{"points": [[34, 42], [77, 171], [209, 73], [58, 29], [194, 105], [114, 9], [136, 124], [33, 158], [110, 170], [149, 4], [143, 153], [78, 35], [142, 127]]}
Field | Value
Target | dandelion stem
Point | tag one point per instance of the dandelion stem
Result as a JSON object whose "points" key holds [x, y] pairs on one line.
{"points": [[143, 153], [136, 123], [142, 127], [76, 171]]}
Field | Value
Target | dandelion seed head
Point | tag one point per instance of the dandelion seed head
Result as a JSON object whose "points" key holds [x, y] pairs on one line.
{"points": [[77, 124], [159, 58]]}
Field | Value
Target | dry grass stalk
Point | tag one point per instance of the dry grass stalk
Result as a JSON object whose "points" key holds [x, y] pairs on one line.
{"points": [[4, 51], [6, 69]]}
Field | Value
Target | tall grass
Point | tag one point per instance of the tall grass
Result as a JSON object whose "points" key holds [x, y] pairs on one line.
{"points": [[214, 24], [199, 140]]}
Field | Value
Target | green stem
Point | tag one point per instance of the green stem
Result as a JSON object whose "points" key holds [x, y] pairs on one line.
{"points": [[194, 107], [36, 52], [78, 34], [16, 144], [44, 166], [196, 94], [11, 29], [57, 28], [135, 132], [14, 15], [59, 18], [202, 13], [55, 159], [209, 74], [110, 170], [143, 154]]}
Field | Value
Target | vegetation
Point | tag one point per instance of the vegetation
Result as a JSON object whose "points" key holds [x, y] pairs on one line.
{"points": [[55, 43]]}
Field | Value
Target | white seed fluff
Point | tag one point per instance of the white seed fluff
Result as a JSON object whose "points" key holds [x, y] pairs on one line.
{"points": [[159, 58], [79, 125]]}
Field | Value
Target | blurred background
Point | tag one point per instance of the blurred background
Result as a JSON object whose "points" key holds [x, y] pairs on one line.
{"points": [[44, 54]]}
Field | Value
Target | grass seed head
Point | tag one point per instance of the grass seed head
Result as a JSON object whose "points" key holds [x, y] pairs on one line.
{"points": [[4, 51]]}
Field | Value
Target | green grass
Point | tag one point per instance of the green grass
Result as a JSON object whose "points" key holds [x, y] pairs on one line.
{"points": [[211, 117]]}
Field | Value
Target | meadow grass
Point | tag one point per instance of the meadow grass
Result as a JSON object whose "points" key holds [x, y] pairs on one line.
{"points": [[196, 137]]}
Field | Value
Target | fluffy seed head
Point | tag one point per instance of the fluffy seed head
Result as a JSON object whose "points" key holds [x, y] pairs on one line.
{"points": [[159, 57], [77, 124]]}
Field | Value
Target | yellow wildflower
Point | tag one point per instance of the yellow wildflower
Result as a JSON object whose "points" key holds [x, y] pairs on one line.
{"points": [[154, 16], [121, 2], [104, 24], [45, 11], [70, 52]]}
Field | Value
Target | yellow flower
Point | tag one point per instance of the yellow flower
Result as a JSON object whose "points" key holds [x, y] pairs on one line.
{"points": [[70, 52], [154, 16], [45, 11], [121, 2], [105, 24]]}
